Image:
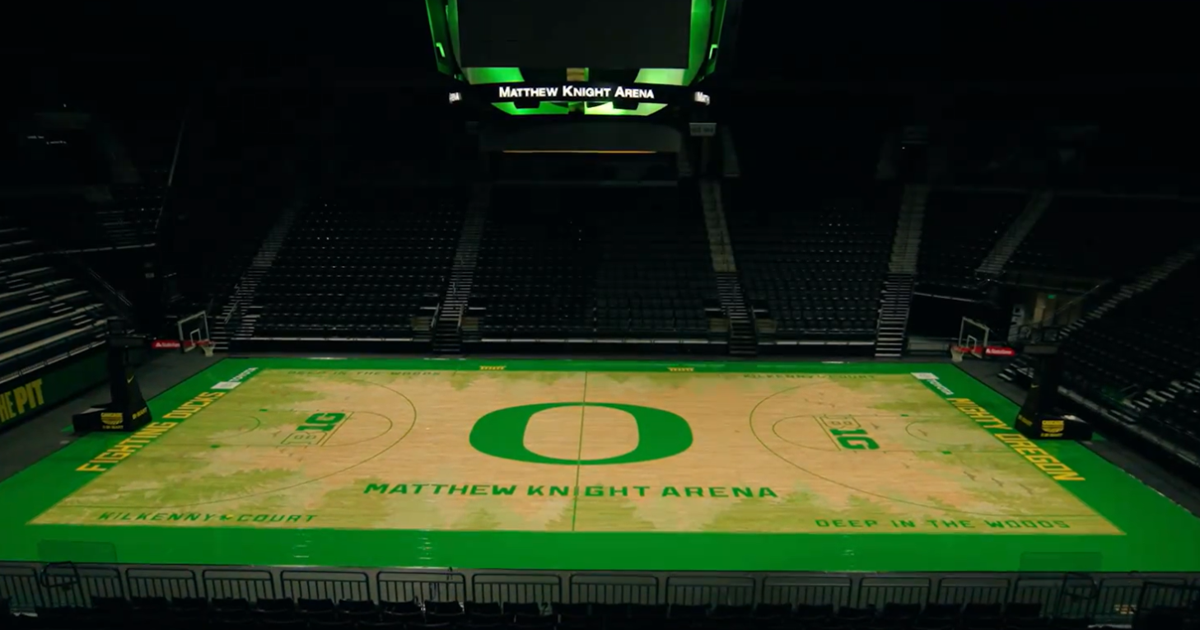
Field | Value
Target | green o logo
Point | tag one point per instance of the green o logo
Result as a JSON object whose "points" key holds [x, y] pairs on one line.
{"points": [[501, 433]]}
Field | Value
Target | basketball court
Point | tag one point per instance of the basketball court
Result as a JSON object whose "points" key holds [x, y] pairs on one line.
{"points": [[589, 465]]}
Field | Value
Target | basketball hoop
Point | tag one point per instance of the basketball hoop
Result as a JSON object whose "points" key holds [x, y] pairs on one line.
{"points": [[975, 340]]}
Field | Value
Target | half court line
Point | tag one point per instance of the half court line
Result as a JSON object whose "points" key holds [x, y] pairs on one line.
{"points": [[579, 453]]}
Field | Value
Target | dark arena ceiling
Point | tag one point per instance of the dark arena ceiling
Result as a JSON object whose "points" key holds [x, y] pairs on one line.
{"points": [[915, 47]]}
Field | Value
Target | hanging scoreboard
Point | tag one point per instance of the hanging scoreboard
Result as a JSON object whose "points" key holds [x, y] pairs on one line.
{"points": [[602, 57]]}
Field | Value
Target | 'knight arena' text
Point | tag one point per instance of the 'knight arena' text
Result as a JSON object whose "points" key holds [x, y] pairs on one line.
{"points": [[575, 91]]}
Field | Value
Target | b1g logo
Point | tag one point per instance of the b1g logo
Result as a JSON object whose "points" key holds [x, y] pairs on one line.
{"points": [[501, 433]]}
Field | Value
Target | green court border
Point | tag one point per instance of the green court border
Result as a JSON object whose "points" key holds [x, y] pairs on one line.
{"points": [[1159, 536]]}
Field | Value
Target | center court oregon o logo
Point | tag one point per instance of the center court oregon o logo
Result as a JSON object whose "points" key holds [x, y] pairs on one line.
{"points": [[501, 433]]}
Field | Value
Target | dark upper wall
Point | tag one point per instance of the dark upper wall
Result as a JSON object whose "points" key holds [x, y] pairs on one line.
{"points": [[1066, 44], [986, 78]]}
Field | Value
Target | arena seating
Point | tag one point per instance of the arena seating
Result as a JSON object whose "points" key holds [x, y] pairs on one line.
{"points": [[132, 216], [45, 316], [1141, 360], [1145, 342], [1172, 413], [116, 217], [959, 231], [595, 264], [361, 267], [288, 614], [815, 268], [210, 261], [1077, 236], [73, 222]]}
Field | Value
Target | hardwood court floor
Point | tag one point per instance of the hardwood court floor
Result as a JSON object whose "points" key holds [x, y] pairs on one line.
{"points": [[589, 465]]}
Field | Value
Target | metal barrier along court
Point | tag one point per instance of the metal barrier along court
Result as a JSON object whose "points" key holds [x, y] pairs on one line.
{"points": [[1108, 598]]}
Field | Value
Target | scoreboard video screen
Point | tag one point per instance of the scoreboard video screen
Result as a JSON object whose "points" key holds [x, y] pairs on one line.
{"points": [[613, 34], [581, 57]]}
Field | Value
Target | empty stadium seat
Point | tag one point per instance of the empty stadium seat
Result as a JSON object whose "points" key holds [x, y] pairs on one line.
{"points": [[1147, 341], [132, 216], [816, 271], [595, 264], [358, 268], [1139, 360], [112, 216], [44, 315], [959, 231], [1176, 414], [210, 261]]}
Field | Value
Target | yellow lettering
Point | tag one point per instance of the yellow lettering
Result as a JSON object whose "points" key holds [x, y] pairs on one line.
{"points": [[30, 397], [1020, 445], [1067, 476], [21, 398], [127, 447]]}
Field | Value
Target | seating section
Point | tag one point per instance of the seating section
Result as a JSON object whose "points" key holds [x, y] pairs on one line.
{"points": [[815, 268], [607, 264], [117, 216], [1080, 237], [132, 216], [1147, 341], [452, 615], [1142, 359], [214, 242], [45, 316], [361, 267], [959, 231], [1175, 413]]}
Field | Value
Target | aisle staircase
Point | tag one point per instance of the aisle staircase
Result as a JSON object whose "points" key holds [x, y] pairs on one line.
{"points": [[447, 329], [237, 317], [743, 340], [892, 327], [743, 336], [1004, 248]]}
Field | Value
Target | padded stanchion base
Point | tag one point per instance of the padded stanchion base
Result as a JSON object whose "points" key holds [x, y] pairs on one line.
{"points": [[109, 418], [1053, 427]]}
